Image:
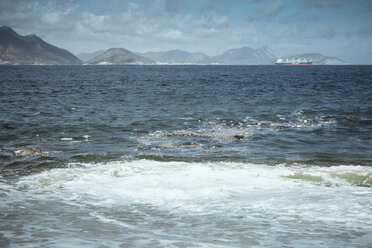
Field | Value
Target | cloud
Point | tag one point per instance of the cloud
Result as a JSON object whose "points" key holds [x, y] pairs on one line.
{"points": [[151, 24], [268, 13], [323, 33], [322, 3], [366, 5], [304, 35], [210, 26], [368, 9], [275, 9], [253, 1], [366, 31], [38, 16]]}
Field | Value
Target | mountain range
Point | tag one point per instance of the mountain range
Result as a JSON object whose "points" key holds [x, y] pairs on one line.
{"points": [[246, 56], [88, 56], [239, 56], [178, 56], [119, 56], [31, 50]]}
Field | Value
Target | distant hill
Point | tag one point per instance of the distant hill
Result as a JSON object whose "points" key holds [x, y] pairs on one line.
{"points": [[119, 56], [179, 56], [88, 56], [31, 50], [317, 59], [246, 56]]}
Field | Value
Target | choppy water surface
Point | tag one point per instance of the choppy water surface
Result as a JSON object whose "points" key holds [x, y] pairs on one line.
{"points": [[194, 156]]}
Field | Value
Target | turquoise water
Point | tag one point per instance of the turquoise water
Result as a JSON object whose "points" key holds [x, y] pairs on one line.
{"points": [[185, 156]]}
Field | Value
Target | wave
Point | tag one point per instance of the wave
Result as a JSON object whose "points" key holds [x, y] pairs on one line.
{"points": [[138, 196], [152, 176]]}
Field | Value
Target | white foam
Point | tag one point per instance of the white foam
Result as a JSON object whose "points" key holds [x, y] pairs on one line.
{"points": [[213, 198], [159, 182]]}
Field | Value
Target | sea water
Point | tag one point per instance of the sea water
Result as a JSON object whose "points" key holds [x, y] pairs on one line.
{"points": [[185, 156]]}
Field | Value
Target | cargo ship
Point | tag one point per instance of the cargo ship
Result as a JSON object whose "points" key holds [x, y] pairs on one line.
{"points": [[293, 62]]}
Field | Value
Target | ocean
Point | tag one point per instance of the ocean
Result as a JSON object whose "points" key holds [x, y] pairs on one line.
{"points": [[185, 156]]}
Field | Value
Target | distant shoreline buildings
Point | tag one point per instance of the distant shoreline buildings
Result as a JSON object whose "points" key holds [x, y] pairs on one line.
{"points": [[293, 61]]}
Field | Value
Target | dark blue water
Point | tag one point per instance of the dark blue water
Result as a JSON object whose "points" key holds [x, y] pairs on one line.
{"points": [[319, 115], [290, 128]]}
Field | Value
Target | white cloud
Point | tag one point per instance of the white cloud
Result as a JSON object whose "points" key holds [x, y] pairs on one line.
{"points": [[323, 3], [170, 24], [51, 18], [275, 9], [268, 13]]}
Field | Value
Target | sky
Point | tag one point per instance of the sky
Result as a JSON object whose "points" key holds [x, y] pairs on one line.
{"points": [[340, 28]]}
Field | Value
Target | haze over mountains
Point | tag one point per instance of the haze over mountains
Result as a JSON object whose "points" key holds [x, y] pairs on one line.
{"points": [[31, 50]]}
